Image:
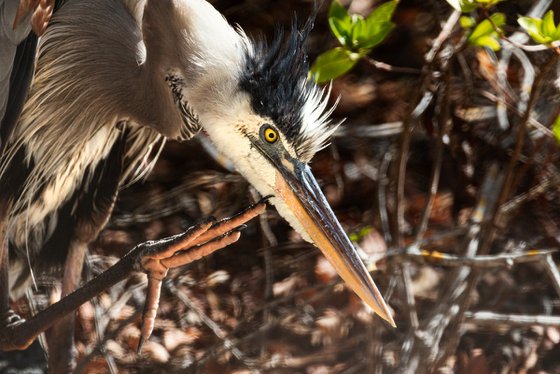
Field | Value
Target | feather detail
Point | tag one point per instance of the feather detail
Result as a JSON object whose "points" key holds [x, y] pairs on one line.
{"points": [[276, 79]]}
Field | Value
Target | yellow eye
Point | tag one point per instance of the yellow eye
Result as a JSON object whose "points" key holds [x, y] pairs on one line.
{"points": [[270, 135]]}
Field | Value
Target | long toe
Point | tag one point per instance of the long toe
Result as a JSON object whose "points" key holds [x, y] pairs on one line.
{"points": [[11, 319], [201, 240], [10, 340]]}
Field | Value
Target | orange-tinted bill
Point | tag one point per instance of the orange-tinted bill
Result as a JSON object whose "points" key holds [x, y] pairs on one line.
{"points": [[304, 198]]}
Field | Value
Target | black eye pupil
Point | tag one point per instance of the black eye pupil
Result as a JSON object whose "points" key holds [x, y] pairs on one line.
{"points": [[269, 134]]}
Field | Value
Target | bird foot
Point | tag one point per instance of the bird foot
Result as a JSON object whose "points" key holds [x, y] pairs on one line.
{"points": [[11, 319], [8, 323], [158, 256], [154, 258]]}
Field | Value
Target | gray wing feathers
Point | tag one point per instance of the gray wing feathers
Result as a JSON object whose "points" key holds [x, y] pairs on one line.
{"points": [[17, 52]]}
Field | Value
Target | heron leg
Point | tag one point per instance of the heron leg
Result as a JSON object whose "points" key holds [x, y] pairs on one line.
{"points": [[152, 257], [60, 337], [192, 245], [8, 318], [4, 271]]}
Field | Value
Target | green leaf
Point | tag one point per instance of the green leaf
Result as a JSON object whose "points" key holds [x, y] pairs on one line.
{"points": [[382, 13], [486, 33], [374, 29], [359, 31], [464, 6], [498, 19], [547, 27], [556, 35], [357, 236], [533, 27], [467, 22], [488, 41], [340, 23], [337, 11], [376, 33], [341, 31], [487, 3], [332, 64], [486, 27], [556, 129]]}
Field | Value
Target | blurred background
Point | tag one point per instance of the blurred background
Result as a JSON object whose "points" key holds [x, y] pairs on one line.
{"points": [[464, 254]]}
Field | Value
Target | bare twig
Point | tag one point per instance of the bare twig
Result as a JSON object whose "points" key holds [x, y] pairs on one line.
{"points": [[409, 357], [268, 241], [532, 48], [552, 270], [381, 130], [485, 318], [507, 186], [213, 326], [222, 347], [425, 344], [390, 68], [545, 185], [532, 121], [100, 326], [100, 345], [443, 125], [406, 284], [382, 193], [480, 261], [425, 98]]}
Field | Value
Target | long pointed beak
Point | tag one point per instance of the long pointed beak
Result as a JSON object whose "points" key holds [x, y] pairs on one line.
{"points": [[297, 187]]}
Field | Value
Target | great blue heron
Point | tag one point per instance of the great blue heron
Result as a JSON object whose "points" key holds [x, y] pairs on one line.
{"points": [[113, 79]]}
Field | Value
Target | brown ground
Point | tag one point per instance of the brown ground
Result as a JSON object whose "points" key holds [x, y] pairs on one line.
{"points": [[272, 303]]}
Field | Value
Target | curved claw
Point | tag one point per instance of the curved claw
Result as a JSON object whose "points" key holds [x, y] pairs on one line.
{"points": [[8, 339], [11, 318], [197, 242], [150, 310]]}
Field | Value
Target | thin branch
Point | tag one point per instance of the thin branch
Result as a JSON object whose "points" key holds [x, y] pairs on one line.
{"points": [[552, 270], [377, 130], [382, 193], [481, 261], [410, 304], [424, 347], [507, 186], [533, 122], [491, 319], [390, 68], [213, 326], [222, 347], [99, 347], [443, 36], [425, 98], [532, 48], [536, 191], [443, 125]]}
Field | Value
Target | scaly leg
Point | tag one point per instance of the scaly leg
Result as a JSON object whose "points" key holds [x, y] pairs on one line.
{"points": [[4, 272], [181, 250], [8, 319], [60, 337], [152, 257]]}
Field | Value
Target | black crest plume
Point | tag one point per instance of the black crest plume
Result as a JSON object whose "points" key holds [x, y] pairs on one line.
{"points": [[276, 75]]}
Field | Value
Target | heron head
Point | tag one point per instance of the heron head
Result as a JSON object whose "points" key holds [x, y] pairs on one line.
{"points": [[265, 115]]}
